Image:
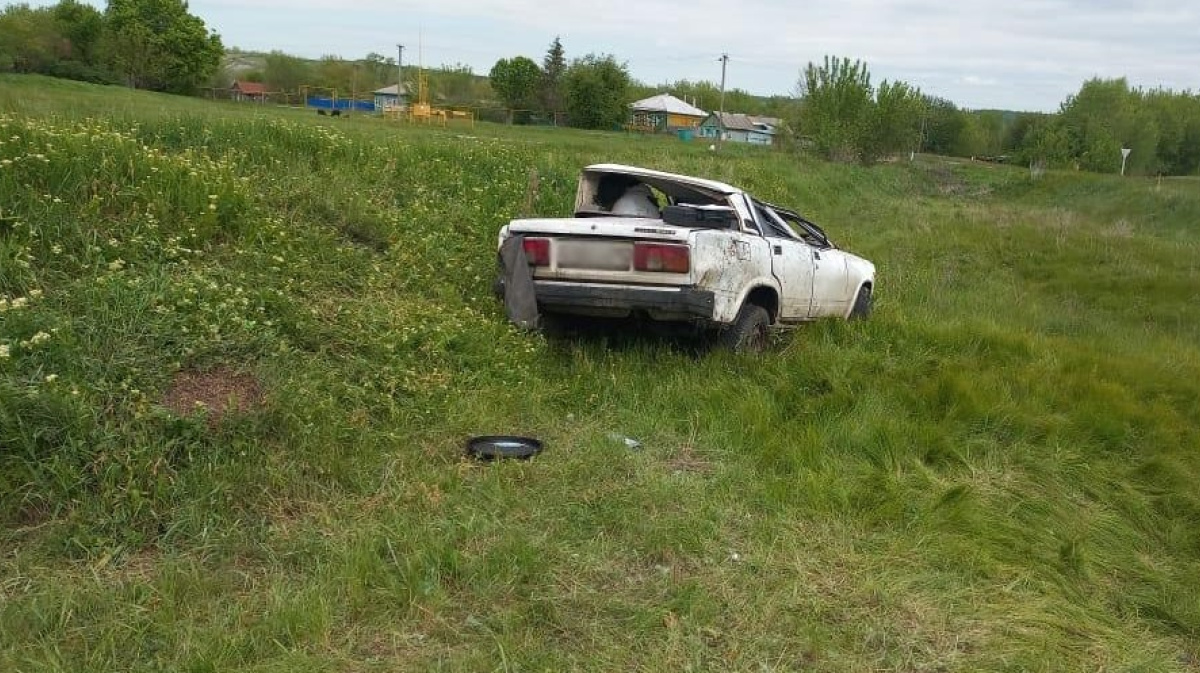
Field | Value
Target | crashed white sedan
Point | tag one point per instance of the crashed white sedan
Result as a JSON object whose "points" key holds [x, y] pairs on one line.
{"points": [[674, 248]]}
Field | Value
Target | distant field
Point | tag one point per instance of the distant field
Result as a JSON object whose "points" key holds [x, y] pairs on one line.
{"points": [[997, 472]]}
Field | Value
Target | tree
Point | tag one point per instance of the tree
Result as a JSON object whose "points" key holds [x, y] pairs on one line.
{"points": [[457, 85], [378, 71], [1105, 116], [1046, 141], [30, 40], [1177, 116], [82, 25], [554, 66], [60, 40], [158, 45], [944, 123], [836, 105], [971, 140], [895, 121], [282, 72], [336, 73], [596, 92], [1020, 128], [992, 125], [1160, 127], [1189, 145], [516, 81]]}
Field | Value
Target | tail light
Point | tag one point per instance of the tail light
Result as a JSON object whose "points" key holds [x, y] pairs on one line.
{"points": [[537, 251], [661, 257]]}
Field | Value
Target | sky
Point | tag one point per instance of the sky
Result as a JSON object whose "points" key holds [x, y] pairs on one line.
{"points": [[980, 54]]}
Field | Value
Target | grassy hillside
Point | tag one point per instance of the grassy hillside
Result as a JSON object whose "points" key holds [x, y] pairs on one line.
{"points": [[997, 472]]}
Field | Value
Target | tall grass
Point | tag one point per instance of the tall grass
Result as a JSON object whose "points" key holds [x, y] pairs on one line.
{"points": [[997, 472]]}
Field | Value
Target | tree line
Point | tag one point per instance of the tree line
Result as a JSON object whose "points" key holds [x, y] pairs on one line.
{"points": [[837, 111], [591, 91], [1161, 128], [842, 116], [149, 44], [594, 91], [283, 73]]}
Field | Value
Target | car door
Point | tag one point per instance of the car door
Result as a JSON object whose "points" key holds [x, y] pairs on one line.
{"points": [[830, 274], [829, 283], [791, 264]]}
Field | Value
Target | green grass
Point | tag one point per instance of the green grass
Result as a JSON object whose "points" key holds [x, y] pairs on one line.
{"points": [[997, 472]]}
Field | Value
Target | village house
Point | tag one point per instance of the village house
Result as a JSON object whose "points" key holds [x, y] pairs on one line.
{"points": [[740, 128], [664, 113], [394, 97], [248, 91]]}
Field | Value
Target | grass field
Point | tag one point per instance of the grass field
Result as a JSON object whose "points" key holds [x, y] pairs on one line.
{"points": [[997, 472]]}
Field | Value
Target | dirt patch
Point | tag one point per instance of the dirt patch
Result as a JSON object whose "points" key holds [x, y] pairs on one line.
{"points": [[687, 460], [219, 391]]}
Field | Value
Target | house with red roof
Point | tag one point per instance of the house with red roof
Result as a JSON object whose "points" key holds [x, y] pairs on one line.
{"points": [[248, 91]]}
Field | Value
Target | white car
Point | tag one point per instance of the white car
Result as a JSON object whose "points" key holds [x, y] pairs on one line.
{"points": [[679, 249]]}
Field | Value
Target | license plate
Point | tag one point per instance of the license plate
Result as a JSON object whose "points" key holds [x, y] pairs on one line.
{"points": [[608, 256]]}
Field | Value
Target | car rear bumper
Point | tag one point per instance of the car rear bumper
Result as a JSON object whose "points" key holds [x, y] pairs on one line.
{"points": [[662, 303]]}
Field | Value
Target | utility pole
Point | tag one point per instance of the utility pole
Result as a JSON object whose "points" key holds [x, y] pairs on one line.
{"points": [[399, 72], [721, 117]]}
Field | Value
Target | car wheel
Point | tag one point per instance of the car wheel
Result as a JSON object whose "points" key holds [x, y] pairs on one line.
{"points": [[748, 333], [862, 303]]}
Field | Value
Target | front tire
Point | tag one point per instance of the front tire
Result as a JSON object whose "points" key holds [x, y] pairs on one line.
{"points": [[863, 303], [748, 333]]}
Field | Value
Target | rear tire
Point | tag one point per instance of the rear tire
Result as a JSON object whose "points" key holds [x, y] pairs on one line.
{"points": [[748, 333], [863, 303]]}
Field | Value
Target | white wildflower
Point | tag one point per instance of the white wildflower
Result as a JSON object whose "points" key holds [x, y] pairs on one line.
{"points": [[51, 378], [116, 265]]}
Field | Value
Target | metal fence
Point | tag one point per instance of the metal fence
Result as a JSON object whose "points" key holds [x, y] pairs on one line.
{"points": [[340, 104]]}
